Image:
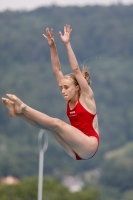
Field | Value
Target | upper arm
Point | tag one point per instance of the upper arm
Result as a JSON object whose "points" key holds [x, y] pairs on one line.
{"points": [[85, 88], [58, 76]]}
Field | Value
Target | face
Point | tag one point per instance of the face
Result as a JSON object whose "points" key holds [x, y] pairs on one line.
{"points": [[68, 89]]}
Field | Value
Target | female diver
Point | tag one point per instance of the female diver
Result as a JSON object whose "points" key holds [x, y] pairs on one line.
{"points": [[80, 138]]}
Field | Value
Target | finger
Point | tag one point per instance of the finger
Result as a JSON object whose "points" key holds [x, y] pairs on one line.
{"points": [[67, 26], [70, 30], [52, 32], [47, 29], [44, 36], [65, 29], [60, 33], [47, 32]]}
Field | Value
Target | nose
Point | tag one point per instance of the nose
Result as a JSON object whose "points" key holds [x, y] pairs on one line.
{"points": [[63, 91]]}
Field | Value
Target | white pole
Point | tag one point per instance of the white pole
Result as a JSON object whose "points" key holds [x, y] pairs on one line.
{"points": [[41, 161]]}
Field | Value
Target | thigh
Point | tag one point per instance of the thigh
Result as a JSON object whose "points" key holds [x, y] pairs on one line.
{"points": [[66, 147], [83, 145]]}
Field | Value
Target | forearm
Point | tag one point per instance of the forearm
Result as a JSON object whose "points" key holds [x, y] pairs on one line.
{"points": [[71, 56], [56, 64], [55, 59], [54, 54]]}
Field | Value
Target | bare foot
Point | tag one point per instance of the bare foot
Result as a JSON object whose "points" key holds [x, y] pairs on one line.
{"points": [[10, 106], [19, 106]]}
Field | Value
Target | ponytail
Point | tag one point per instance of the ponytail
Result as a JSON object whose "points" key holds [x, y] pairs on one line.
{"points": [[86, 74]]}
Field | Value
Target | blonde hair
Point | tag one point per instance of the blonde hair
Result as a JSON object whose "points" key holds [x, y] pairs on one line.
{"points": [[86, 75]]}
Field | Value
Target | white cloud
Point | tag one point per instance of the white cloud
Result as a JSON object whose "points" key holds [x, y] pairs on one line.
{"points": [[32, 4]]}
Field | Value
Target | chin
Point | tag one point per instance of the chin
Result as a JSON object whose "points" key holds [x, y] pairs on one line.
{"points": [[66, 98]]}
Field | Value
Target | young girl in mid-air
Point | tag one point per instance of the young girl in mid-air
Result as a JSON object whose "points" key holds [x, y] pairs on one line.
{"points": [[80, 138]]}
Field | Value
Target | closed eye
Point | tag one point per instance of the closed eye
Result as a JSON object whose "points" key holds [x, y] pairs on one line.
{"points": [[65, 87]]}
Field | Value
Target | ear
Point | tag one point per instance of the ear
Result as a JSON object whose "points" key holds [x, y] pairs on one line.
{"points": [[77, 88]]}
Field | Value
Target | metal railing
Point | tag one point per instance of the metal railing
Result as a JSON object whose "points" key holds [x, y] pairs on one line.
{"points": [[42, 147]]}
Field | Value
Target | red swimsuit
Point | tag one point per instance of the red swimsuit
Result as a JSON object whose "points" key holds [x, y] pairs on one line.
{"points": [[82, 119]]}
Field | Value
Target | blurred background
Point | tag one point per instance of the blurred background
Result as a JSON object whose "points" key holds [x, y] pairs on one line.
{"points": [[102, 39]]}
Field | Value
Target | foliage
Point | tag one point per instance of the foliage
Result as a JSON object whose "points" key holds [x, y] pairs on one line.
{"points": [[52, 190], [120, 174]]}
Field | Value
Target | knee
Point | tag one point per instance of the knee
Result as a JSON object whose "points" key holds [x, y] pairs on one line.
{"points": [[58, 123]]}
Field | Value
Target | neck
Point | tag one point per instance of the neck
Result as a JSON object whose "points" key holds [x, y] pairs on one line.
{"points": [[75, 99]]}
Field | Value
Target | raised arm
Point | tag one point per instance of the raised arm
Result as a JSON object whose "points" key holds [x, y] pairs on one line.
{"points": [[73, 61], [54, 55]]}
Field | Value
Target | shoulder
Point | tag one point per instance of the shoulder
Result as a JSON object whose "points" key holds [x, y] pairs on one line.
{"points": [[88, 102], [88, 93]]}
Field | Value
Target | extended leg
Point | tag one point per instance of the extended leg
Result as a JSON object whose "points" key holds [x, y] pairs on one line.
{"points": [[66, 147], [83, 145], [10, 105]]}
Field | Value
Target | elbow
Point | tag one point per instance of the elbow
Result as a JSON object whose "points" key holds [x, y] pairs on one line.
{"points": [[76, 69]]}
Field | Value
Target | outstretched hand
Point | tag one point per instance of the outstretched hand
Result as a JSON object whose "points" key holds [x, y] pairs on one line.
{"points": [[67, 32], [49, 37]]}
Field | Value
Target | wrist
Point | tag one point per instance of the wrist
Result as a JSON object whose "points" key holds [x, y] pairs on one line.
{"points": [[67, 43], [52, 45]]}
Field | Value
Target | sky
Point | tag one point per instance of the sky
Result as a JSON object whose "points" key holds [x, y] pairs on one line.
{"points": [[33, 4]]}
